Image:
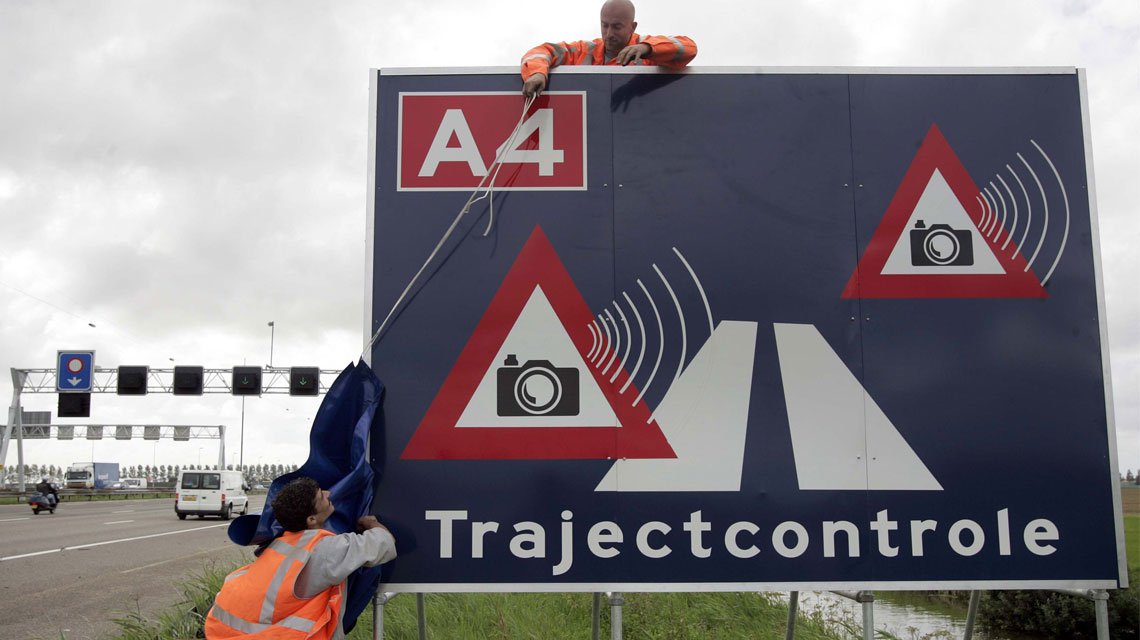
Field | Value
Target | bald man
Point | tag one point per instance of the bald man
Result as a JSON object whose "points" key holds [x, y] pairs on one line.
{"points": [[619, 44]]}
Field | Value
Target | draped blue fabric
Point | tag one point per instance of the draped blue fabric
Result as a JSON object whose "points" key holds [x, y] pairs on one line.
{"points": [[349, 418]]}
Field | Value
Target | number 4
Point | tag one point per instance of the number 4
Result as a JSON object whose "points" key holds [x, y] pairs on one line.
{"points": [[545, 156]]}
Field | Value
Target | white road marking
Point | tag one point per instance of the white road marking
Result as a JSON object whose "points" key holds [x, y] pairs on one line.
{"points": [[15, 519], [126, 511], [119, 522], [99, 544], [161, 562], [28, 555]]}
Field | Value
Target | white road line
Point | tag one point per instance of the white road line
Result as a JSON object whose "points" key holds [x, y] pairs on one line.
{"points": [[119, 522], [28, 555], [162, 562], [126, 511], [99, 544], [15, 519]]}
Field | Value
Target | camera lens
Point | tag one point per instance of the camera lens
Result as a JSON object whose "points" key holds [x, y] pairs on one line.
{"points": [[538, 390], [940, 247]]}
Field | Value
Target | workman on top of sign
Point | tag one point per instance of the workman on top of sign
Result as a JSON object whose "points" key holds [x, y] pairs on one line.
{"points": [[618, 45], [296, 588]]}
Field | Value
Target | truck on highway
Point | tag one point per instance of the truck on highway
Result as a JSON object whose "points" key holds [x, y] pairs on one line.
{"points": [[92, 475], [134, 483]]}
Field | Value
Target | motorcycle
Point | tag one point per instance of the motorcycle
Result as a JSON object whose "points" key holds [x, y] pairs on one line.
{"points": [[40, 502]]}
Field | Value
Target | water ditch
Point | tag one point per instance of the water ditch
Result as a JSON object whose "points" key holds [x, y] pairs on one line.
{"points": [[907, 616]]}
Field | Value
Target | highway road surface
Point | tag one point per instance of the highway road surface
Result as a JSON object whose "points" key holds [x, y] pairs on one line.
{"points": [[67, 575]]}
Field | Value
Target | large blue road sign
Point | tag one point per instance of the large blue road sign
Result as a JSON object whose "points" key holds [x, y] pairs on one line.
{"points": [[736, 330], [75, 371]]}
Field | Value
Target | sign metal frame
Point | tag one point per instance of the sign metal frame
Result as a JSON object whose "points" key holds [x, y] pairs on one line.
{"points": [[374, 309]]}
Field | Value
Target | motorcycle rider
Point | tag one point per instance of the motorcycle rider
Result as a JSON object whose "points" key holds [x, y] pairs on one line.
{"points": [[48, 490]]}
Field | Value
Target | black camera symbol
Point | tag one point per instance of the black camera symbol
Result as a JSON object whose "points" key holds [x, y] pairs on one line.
{"points": [[940, 246], [536, 388]]}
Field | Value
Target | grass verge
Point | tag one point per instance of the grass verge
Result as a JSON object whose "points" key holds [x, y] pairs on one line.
{"points": [[1132, 540], [67, 497], [566, 616], [553, 616], [184, 620]]}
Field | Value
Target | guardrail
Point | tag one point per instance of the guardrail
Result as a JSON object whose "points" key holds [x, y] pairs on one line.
{"points": [[71, 495]]}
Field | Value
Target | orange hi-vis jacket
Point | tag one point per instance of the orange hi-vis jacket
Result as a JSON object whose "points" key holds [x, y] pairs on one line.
{"points": [[257, 600], [674, 52]]}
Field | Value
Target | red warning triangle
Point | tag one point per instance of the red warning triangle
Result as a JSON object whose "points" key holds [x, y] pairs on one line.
{"points": [[992, 267], [537, 269]]}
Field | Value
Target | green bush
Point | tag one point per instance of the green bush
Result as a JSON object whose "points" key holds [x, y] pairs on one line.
{"points": [[1056, 615]]}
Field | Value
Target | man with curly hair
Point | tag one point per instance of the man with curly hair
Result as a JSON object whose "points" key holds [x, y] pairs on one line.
{"points": [[295, 588]]}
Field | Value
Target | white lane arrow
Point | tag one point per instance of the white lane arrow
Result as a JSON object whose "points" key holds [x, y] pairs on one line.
{"points": [[75, 381]]}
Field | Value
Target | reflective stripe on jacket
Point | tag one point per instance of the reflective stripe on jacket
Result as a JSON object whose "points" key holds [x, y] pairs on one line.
{"points": [[257, 600], [674, 52]]}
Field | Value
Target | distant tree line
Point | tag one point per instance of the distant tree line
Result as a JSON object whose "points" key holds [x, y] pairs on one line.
{"points": [[263, 473]]}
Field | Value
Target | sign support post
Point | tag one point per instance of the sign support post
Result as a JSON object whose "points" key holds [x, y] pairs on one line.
{"points": [[15, 422], [972, 614], [793, 605], [616, 602], [597, 617]]}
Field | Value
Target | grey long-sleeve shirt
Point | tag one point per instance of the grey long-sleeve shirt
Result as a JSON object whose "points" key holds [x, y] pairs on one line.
{"points": [[335, 558]]}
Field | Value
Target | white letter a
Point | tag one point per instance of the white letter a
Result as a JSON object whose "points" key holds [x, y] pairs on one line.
{"points": [[453, 123]]}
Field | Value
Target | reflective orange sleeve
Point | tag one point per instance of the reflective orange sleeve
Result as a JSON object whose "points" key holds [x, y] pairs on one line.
{"points": [[552, 54], [671, 51]]}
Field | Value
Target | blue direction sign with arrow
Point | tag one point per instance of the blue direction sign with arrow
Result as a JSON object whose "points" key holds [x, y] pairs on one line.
{"points": [[75, 371]]}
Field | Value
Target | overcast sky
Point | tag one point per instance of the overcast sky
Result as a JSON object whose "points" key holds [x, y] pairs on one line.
{"points": [[181, 173]]}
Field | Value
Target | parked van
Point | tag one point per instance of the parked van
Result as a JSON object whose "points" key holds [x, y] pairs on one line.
{"points": [[213, 493]]}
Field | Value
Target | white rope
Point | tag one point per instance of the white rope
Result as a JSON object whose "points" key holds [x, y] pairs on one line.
{"points": [[492, 173], [498, 164]]}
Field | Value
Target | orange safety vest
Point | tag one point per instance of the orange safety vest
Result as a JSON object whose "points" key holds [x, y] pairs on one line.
{"points": [[257, 600], [674, 52]]}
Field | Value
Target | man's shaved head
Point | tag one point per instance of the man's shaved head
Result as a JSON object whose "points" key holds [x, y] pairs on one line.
{"points": [[620, 5], [618, 24]]}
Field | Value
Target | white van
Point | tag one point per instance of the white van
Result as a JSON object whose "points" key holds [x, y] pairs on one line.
{"points": [[213, 493]]}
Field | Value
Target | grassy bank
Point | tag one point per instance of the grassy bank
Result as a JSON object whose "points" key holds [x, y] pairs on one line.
{"points": [[1132, 540], [554, 616], [559, 616]]}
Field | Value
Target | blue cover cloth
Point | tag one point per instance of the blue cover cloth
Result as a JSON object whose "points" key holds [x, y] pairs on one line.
{"points": [[340, 461]]}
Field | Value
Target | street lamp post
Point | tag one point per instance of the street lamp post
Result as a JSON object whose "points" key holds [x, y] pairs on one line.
{"points": [[241, 435], [271, 330]]}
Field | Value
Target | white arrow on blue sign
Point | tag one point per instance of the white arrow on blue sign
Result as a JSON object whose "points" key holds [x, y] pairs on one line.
{"points": [[75, 371]]}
